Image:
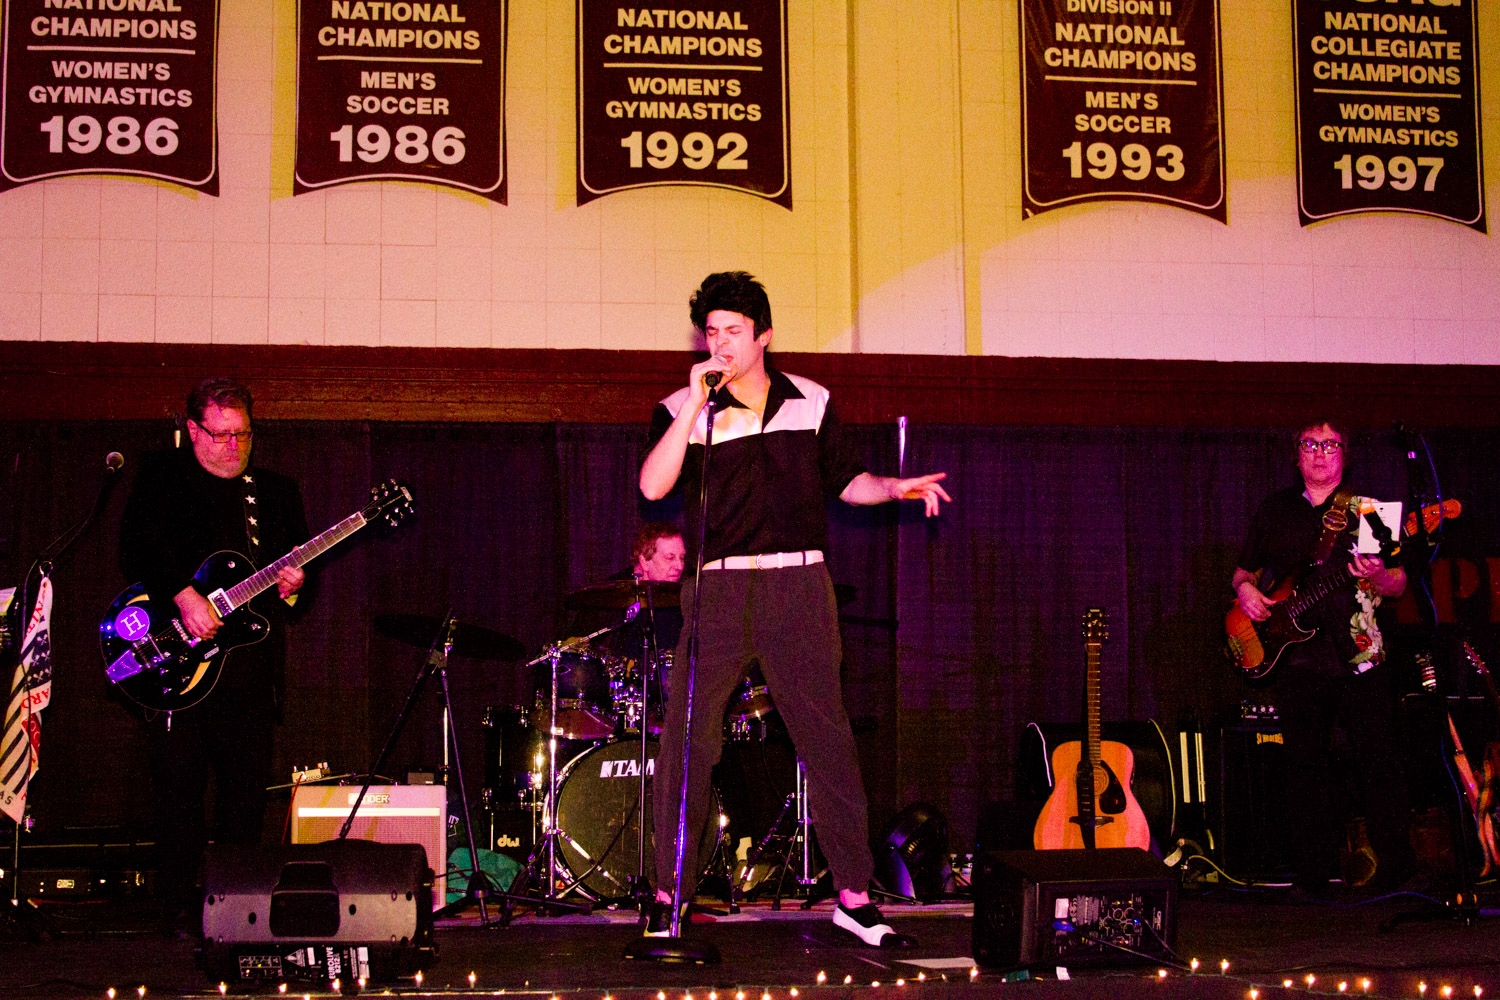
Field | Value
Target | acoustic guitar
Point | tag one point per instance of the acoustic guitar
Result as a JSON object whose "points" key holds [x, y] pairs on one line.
{"points": [[1091, 804], [1255, 647], [153, 660]]}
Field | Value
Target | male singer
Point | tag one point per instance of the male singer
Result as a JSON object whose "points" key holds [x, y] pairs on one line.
{"points": [[766, 591]]}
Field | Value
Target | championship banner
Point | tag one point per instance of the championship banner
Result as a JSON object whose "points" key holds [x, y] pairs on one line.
{"points": [[675, 93], [1122, 100], [401, 91], [1388, 109], [110, 87]]}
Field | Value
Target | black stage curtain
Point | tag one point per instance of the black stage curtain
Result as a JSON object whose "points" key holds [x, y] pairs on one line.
{"points": [[963, 628]]}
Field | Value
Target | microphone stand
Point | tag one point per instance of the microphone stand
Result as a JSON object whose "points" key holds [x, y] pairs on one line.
{"points": [[674, 948], [19, 615]]}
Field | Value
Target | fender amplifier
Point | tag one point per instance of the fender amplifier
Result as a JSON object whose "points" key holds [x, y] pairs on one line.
{"points": [[1111, 906], [347, 909], [390, 814]]}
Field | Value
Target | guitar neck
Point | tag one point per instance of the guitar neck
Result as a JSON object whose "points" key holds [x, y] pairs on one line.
{"points": [[1331, 581], [265, 578], [1091, 704]]}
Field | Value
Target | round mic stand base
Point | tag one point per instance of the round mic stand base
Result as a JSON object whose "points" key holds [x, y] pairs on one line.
{"points": [[686, 951]]}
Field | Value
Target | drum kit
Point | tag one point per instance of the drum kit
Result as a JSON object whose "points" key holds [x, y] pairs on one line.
{"points": [[567, 776], [577, 761]]}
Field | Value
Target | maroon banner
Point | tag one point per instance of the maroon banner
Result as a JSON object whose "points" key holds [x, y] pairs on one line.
{"points": [[392, 91], [110, 88], [672, 93], [1388, 116], [1122, 100]]}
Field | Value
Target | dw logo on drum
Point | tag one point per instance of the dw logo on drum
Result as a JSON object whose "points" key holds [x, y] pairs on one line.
{"points": [[628, 768]]}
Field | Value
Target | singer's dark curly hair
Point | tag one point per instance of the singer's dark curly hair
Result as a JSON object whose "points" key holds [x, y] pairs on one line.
{"points": [[736, 291], [225, 393]]}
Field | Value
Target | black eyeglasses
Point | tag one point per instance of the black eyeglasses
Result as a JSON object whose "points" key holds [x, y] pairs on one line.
{"points": [[222, 437], [1328, 447]]}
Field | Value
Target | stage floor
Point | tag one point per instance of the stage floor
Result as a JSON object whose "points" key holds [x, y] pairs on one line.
{"points": [[1266, 940]]}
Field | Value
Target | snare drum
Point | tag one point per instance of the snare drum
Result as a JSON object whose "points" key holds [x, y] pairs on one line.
{"points": [[585, 699]]}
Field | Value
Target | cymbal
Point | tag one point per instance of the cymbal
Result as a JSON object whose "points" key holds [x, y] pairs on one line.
{"points": [[617, 595], [473, 641]]}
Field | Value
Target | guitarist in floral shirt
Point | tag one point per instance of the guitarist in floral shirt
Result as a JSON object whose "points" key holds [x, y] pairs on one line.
{"points": [[1337, 677]]}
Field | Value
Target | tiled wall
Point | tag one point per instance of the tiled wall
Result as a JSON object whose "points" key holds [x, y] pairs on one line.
{"points": [[906, 235]]}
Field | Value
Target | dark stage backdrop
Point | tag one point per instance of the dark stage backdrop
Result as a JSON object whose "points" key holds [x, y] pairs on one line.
{"points": [[965, 627]]}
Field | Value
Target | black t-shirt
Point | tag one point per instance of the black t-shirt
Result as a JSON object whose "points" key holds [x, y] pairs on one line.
{"points": [[1283, 537], [768, 477]]}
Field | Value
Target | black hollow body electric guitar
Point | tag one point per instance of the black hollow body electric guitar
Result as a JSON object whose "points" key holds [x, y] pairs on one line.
{"points": [[153, 660]]}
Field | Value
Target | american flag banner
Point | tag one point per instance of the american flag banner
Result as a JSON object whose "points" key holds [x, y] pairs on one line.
{"points": [[30, 692]]}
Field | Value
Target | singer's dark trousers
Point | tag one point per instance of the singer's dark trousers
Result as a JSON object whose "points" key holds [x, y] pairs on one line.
{"points": [[788, 620]]}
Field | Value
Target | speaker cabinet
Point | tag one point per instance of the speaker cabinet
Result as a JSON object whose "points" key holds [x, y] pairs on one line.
{"points": [[1072, 908], [1253, 825], [345, 909], [389, 814]]}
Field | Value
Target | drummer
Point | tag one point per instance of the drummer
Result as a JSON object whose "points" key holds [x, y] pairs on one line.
{"points": [[657, 553], [656, 556]]}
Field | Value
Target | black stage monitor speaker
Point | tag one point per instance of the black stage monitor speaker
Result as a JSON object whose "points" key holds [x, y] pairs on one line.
{"points": [[1072, 908], [349, 909]]}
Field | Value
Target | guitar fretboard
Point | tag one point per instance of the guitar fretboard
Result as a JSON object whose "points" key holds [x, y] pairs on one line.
{"points": [[1091, 700], [263, 579]]}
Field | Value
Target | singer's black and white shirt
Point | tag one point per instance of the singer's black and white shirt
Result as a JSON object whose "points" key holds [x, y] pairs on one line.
{"points": [[769, 477]]}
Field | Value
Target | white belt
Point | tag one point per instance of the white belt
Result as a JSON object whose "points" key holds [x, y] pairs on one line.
{"points": [[768, 560]]}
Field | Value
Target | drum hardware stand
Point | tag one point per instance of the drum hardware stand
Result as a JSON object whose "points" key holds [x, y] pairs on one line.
{"points": [[674, 948], [478, 888], [798, 848], [640, 887], [543, 863]]}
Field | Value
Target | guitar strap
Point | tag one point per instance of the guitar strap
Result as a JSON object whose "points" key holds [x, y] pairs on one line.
{"points": [[252, 517], [1335, 520]]}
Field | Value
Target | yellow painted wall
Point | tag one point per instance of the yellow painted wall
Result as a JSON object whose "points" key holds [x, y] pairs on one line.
{"points": [[906, 234]]}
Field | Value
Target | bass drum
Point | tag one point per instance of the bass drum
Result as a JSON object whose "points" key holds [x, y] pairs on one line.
{"points": [[600, 830]]}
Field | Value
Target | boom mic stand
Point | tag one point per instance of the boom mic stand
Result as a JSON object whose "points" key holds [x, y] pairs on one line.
{"points": [[1463, 903], [674, 948], [15, 624]]}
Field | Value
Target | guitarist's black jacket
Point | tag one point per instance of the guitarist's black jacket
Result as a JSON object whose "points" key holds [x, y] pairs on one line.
{"points": [[178, 514]]}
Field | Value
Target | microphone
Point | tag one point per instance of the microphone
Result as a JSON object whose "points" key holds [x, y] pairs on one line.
{"points": [[712, 379], [114, 462]]}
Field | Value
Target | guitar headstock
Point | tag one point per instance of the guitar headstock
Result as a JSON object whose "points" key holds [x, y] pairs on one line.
{"points": [[1095, 626], [390, 502], [1475, 660]]}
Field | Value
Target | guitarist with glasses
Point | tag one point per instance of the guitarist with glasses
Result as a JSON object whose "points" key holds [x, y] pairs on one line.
{"points": [[186, 505], [1305, 533]]}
